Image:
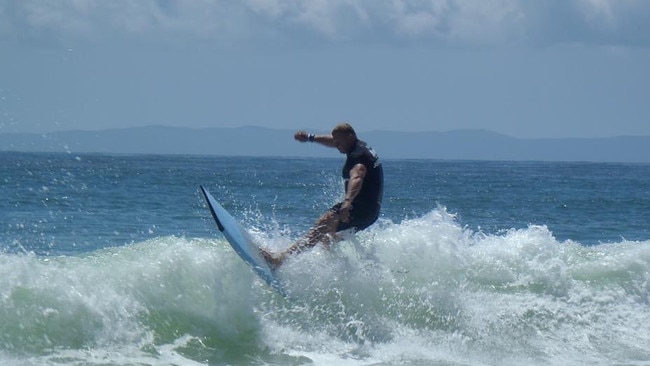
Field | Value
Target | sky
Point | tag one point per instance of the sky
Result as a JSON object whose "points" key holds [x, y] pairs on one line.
{"points": [[524, 68]]}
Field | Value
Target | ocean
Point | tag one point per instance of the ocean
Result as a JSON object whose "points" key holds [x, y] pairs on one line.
{"points": [[115, 260]]}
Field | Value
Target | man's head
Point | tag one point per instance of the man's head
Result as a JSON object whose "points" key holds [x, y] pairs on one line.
{"points": [[344, 137]]}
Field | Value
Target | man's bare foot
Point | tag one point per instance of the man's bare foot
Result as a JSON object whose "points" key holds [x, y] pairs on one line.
{"points": [[273, 261]]}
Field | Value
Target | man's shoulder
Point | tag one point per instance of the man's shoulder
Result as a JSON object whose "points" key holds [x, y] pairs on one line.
{"points": [[360, 148], [363, 151]]}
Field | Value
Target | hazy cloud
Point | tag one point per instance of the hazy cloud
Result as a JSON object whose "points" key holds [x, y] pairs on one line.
{"points": [[611, 22]]}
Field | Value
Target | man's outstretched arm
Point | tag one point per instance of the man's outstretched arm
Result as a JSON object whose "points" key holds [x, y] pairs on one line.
{"points": [[303, 136]]}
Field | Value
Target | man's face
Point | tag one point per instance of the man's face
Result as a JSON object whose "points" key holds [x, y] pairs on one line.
{"points": [[343, 142]]}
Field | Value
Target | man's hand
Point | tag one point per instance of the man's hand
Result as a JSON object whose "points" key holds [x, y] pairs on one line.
{"points": [[301, 136]]}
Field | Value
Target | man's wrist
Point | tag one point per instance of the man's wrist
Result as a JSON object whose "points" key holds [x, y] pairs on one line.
{"points": [[311, 137]]}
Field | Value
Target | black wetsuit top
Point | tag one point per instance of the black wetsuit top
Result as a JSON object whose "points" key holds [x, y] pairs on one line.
{"points": [[366, 205]]}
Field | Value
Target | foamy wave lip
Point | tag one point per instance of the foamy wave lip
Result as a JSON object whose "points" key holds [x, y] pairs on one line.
{"points": [[502, 294], [449, 292], [121, 295]]}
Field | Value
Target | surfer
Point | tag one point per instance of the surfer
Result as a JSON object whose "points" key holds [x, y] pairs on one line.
{"points": [[364, 188]]}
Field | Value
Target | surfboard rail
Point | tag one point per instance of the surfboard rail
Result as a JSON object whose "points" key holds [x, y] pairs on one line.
{"points": [[241, 242]]}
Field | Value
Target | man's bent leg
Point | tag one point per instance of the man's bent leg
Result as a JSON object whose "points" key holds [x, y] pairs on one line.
{"points": [[321, 232]]}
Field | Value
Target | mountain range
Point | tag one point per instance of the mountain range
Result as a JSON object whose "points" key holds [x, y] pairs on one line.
{"points": [[259, 141]]}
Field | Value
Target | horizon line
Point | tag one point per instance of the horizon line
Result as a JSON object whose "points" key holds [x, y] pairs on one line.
{"points": [[483, 130]]}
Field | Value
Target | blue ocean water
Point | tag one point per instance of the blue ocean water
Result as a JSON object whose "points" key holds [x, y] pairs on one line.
{"points": [[115, 260]]}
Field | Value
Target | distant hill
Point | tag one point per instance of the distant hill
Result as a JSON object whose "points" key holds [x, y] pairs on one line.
{"points": [[258, 141]]}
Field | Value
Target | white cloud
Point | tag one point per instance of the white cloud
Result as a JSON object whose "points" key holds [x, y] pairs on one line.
{"points": [[270, 8], [598, 12], [411, 20], [328, 18], [318, 14], [494, 21], [617, 17], [464, 21], [471, 21]]}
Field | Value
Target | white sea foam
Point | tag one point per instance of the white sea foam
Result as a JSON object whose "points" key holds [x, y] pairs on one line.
{"points": [[422, 291]]}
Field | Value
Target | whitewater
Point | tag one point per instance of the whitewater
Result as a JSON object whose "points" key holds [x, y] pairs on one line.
{"points": [[115, 260], [424, 291]]}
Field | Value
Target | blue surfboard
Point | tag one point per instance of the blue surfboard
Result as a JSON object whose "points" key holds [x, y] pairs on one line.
{"points": [[241, 242]]}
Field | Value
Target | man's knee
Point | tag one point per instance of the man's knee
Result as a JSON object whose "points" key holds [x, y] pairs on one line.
{"points": [[328, 219]]}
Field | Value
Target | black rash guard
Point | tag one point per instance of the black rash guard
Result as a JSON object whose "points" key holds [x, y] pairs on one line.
{"points": [[366, 205]]}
